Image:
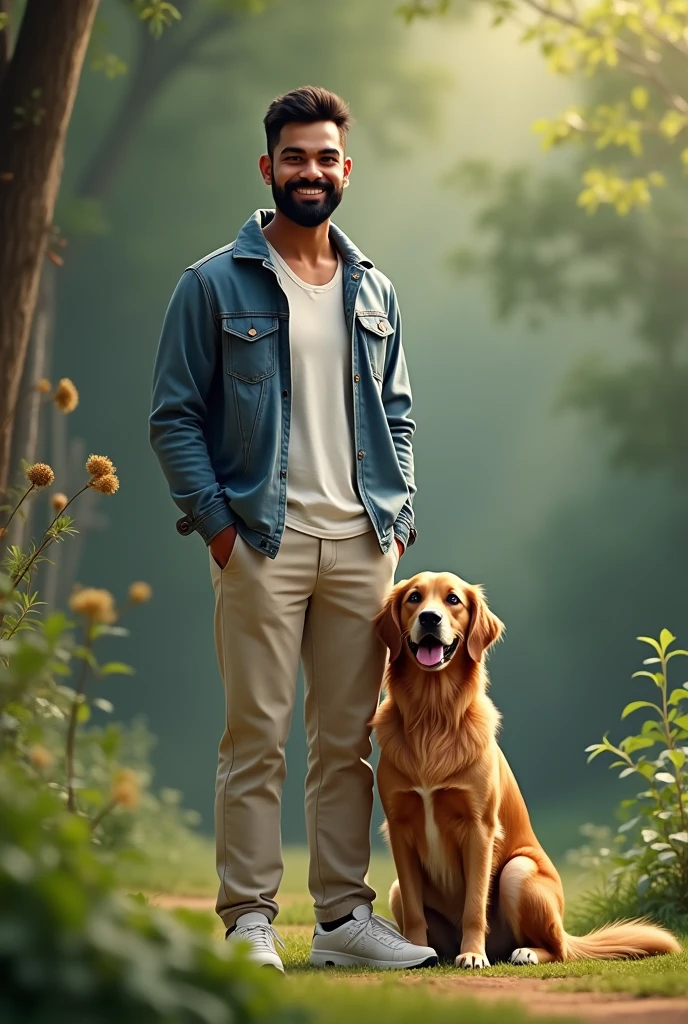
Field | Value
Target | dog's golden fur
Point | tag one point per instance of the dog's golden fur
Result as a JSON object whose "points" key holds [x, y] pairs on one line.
{"points": [[473, 880]]}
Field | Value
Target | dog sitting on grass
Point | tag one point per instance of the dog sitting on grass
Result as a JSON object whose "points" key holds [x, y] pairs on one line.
{"points": [[473, 881]]}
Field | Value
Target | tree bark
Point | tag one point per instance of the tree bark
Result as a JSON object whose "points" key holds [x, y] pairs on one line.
{"points": [[41, 80]]}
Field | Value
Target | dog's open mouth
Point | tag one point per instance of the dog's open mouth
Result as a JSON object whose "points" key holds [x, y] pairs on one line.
{"points": [[430, 653]]}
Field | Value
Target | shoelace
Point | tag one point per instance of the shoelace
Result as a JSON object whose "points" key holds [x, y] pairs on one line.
{"points": [[263, 936], [381, 929]]}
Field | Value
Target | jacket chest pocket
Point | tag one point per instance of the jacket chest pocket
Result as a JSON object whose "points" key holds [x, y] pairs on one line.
{"points": [[375, 329], [250, 346]]}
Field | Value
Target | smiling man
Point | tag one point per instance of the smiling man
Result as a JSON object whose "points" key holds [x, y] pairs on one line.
{"points": [[281, 419]]}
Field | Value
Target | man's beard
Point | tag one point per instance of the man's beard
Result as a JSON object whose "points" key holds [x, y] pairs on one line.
{"points": [[307, 213]]}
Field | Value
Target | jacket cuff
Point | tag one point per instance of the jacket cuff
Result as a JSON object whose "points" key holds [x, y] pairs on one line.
{"points": [[209, 525], [405, 532]]}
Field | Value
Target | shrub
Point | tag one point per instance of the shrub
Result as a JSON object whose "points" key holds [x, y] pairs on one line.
{"points": [[73, 951], [649, 854]]}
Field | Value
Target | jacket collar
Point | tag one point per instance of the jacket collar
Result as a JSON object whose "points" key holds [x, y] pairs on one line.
{"points": [[251, 244]]}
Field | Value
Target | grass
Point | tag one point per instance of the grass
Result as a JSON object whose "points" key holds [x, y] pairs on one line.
{"points": [[338, 1003]]}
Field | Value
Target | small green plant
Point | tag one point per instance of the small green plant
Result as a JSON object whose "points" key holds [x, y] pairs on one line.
{"points": [[652, 873], [74, 950]]}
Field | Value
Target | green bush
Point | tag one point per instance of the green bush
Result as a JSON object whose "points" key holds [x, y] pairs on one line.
{"points": [[74, 951], [648, 857]]}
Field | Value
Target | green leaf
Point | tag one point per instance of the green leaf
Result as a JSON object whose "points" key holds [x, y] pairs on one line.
{"points": [[649, 835], [643, 885], [640, 97], [681, 721], [651, 641], [633, 743], [628, 825], [116, 668], [104, 705], [675, 654], [656, 677], [666, 638], [677, 758], [664, 777], [660, 846], [625, 772], [83, 714], [677, 695], [679, 837], [634, 705], [666, 856]]}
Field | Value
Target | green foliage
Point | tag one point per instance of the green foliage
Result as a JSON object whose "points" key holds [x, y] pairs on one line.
{"points": [[650, 859], [72, 950]]}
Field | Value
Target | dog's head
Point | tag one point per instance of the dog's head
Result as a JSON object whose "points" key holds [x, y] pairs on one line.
{"points": [[429, 618]]}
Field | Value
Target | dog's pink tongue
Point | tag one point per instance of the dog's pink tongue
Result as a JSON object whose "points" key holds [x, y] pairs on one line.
{"points": [[430, 656]]}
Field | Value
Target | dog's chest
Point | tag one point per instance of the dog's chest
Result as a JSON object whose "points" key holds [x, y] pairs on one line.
{"points": [[438, 852]]}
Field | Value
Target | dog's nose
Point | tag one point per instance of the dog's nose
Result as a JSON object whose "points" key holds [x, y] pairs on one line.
{"points": [[429, 620]]}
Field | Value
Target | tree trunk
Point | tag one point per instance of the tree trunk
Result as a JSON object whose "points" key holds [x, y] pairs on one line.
{"points": [[36, 101], [29, 426]]}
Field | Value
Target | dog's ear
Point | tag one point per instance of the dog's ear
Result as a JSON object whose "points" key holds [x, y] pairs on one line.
{"points": [[484, 629], [388, 621]]}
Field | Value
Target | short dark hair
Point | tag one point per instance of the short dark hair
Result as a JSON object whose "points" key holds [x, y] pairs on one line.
{"points": [[306, 105]]}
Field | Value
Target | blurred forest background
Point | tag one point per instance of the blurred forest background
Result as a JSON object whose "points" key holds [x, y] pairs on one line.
{"points": [[543, 345]]}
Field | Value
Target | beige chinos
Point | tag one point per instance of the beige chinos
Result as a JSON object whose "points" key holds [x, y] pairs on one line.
{"points": [[314, 601]]}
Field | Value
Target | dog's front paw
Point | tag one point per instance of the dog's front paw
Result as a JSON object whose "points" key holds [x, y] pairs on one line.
{"points": [[472, 961], [519, 957]]}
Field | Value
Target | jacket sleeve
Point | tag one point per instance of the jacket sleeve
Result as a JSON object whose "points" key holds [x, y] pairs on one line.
{"points": [[183, 372], [396, 398]]}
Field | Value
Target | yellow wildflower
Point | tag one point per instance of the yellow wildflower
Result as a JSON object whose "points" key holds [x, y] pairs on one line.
{"points": [[140, 592], [107, 484], [43, 386], [99, 465], [59, 501], [40, 474], [66, 396], [40, 757], [96, 605], [125, 789]]}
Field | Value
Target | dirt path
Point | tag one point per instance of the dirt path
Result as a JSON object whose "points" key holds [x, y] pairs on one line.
{"points": [[538, 996]]}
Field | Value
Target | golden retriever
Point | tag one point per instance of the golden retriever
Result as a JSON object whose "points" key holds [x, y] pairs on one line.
{"points": [[473, 881]]}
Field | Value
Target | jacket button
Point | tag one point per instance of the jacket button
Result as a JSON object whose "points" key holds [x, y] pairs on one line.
{"points": [[361, 455], [355, 276], [381, 326], [283, 473], [285, 393], [183, 526], [252, 332], [357, 378]]}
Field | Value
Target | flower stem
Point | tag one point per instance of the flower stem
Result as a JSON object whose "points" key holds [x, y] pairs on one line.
{"points": [[16, 508], [47, 539], [73, 721]]}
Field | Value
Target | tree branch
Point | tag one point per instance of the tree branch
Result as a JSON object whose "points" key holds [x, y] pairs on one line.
{"points": [[639, 64]]}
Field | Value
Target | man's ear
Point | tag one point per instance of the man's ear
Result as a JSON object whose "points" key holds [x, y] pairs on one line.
{"points": [[484, 629], [388, 621], [265, 166]]}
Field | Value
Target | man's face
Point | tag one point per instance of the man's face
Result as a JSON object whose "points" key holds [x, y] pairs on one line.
{"points": [[308, 172]]}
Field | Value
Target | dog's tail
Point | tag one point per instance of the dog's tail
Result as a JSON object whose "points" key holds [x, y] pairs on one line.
{"points": [[625, 940]]}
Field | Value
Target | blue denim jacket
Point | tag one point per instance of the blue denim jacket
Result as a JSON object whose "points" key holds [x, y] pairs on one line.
{"points": [[221, 406]]}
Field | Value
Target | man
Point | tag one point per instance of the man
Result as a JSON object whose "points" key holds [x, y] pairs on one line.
{"points": [[281, 419]]}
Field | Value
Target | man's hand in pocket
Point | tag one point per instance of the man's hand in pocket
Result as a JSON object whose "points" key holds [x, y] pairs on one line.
{"points": [[222, 545]]}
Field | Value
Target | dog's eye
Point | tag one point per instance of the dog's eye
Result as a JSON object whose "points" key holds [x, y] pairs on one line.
{"points": [[453, 599], [414, 598]]}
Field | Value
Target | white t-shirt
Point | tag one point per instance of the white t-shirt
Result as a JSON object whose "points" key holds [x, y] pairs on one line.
{"points": [[322, 496]]}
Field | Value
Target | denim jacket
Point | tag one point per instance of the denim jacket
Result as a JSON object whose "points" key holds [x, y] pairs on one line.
{"points": [[221, 405]]}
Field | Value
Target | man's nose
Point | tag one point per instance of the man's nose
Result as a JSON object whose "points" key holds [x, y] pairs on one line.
{"points": [[429, 620]]}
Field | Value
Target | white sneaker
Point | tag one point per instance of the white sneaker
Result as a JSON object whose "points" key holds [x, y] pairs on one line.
{"points": [[259, 933], [368, 941]]}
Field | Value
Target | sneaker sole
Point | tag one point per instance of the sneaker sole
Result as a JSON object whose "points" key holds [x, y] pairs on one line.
{"points": [[326, 958]]}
